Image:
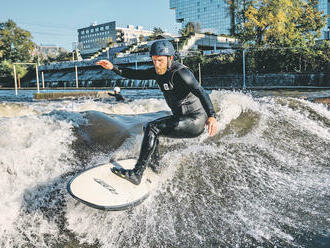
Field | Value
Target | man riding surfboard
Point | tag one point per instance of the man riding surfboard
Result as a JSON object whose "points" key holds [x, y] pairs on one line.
{"points": [[192, 109]]}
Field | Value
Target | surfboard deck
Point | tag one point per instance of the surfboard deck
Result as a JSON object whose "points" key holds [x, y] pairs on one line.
{"points": [[99, 188]]}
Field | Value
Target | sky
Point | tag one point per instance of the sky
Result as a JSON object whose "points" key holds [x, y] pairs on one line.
{"points": [[56, 22]]}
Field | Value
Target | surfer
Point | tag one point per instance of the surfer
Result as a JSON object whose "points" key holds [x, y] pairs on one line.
{"points": [[191, 106], [116, 94]]}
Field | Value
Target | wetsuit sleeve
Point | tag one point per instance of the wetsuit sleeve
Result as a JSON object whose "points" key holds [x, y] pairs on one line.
{"points": [[135, 74], [119, 97], [188, 78]]}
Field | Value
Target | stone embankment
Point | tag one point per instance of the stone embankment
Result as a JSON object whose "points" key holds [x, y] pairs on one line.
{"points": [[70, 95]]}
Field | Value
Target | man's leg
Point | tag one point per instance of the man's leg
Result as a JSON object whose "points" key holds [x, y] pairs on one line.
{"points": [[149, 145], [169, 126], [154, 159]]}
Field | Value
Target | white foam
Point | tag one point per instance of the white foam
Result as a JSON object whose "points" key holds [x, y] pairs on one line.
{"points": [[230, 105], [15, 110], [33, 150], [252, 186]]}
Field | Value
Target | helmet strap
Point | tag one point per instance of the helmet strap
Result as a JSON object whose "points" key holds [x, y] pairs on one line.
{"points": [[169, 62]]}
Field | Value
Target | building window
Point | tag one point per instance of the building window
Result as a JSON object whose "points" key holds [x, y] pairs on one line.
{"points": [[204, 9], [198, 3], [107, 27]]}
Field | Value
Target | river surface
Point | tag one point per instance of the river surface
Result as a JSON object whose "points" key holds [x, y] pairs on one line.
{"points": [[262, 181]]}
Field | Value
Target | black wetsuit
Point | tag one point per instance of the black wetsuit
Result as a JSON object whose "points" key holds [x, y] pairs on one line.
{"points": [[190, 105], [118, 96]]}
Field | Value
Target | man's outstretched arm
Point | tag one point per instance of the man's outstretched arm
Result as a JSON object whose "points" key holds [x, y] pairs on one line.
{"points": [[127, 72]]}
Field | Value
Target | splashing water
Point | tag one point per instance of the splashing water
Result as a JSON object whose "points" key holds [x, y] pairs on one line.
{"points": [[262, 181]]}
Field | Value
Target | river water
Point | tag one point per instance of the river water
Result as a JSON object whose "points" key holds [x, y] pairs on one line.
{"points": [[262, 181]]}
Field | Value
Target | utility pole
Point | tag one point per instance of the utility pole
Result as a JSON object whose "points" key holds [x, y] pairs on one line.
{"points": [[15, 80], [136, 61], [37, 77], [37, 74], [43, 79], [199, 74], [244, 76], [76, 68]]}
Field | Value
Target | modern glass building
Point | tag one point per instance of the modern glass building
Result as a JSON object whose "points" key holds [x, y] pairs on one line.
{"points": [[212, 15], [324, 6]]}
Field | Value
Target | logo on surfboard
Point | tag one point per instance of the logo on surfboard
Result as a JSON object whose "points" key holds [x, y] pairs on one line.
{"points": [[105, 185]]}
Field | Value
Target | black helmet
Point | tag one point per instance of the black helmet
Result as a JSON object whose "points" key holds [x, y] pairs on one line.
{"points": [[162, 48]]}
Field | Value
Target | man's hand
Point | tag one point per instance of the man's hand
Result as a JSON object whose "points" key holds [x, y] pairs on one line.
{"points": [[212, 125], [105, 64]]}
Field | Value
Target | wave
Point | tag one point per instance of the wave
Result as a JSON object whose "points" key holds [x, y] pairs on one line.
{"points": [[261, 181]]}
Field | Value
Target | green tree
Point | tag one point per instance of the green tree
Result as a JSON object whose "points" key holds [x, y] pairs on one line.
{"points": [[232, 10], [281, 36], [281, 22], [63, 55], [16, 45], [141, 38], [157, 31], [120, 36], [190, 28]]}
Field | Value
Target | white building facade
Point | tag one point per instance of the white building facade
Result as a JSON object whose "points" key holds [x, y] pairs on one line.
{"points": [[132, 34]]}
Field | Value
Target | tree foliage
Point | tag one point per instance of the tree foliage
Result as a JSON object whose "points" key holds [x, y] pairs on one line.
{"points": [[16, 45], [63, 55], [265, 60], [287, 60], [141, 38], [156, 31], [216, 65], [281, 36], [284, 23], [189, 29]]}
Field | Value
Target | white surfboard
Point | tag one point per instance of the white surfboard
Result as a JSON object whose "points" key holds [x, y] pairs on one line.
{"points": [[99, 188]]}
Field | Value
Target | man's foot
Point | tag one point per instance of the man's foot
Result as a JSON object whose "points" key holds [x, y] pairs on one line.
{"points": [[130, 175]]}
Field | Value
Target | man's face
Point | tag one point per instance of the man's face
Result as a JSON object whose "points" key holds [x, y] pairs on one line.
{"points": [[160, 63]]}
